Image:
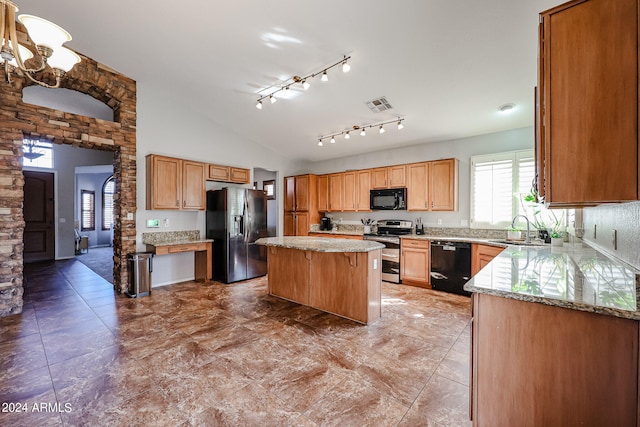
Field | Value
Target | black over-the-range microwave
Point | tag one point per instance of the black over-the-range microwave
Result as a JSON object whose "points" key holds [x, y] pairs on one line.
{"points": [[389, 199]]}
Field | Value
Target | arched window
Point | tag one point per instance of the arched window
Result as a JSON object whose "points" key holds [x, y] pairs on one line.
{"points": [[108, 189]]}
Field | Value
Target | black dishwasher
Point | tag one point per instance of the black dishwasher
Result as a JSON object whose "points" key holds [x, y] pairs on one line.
{"points": [[450, 266]]}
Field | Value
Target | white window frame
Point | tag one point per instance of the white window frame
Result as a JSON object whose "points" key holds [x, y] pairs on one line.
{"points": [[515, 157]]}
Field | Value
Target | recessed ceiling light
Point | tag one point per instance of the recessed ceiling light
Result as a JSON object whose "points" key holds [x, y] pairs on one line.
{"points": [[507, 108]]}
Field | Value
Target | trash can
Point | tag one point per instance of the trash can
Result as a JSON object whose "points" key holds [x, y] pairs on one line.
{"points": [[140, 269]]}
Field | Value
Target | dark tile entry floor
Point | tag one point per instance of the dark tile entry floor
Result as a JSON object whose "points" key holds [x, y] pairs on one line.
{"points": [[228, 355]]}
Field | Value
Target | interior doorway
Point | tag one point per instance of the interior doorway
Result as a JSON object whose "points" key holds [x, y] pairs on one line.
{"points": [[266, 180], [39, 216]]}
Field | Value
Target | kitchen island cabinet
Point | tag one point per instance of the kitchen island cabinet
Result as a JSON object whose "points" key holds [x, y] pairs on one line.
{"points": [[339, 276], [554, 339], [481, 255]]}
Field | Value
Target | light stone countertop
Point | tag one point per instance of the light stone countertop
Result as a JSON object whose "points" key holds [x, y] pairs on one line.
{"points": [[572, 276], [170, 238], [320, 244]]}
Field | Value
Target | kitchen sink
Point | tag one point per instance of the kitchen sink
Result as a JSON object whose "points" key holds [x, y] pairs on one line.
{"points": [[517, 242]]}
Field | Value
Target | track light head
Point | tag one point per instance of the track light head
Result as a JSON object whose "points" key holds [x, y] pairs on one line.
{"points": [[333, 140], [346, 135], [381, 129], [305, 84], [362, 132], [400, 125], [272, 99], [320, 142], [345, 66], [259, 105], [325, 77]]}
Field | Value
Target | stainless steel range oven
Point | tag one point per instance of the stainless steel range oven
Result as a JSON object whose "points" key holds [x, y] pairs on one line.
{"points": [[388, 232]]}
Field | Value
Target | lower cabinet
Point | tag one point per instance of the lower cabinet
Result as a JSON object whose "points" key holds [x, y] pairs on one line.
{"points": [[482, 255], [415, 263], [538, 365], [296, 223]]}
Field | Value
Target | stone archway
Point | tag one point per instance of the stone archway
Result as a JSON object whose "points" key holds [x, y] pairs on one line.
{"points": [[119, 136]]}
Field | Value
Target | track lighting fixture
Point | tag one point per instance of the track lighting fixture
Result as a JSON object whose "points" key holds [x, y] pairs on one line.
{"points": [[304, 80], [362, 130], [345, 66]]}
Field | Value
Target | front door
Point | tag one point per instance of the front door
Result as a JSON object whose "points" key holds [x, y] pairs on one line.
{"points": [[39, 232]]}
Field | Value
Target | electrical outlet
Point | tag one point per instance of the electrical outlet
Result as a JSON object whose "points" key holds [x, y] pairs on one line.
{"points": [[439, 221], [614, 239], [166, 222], [130, 216]]}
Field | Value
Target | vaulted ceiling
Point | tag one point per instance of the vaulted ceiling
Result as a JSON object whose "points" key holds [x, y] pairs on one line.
{"points": [[445, 66]]}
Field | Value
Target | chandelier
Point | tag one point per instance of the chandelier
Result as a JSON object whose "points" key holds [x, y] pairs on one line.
{"points": [[48, 38]]}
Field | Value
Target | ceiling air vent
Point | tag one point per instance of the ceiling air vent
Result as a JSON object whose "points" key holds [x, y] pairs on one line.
{"points": [[379, 104]]}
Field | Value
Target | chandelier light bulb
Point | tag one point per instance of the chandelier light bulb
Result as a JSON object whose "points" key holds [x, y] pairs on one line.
{"points": [[346, 135], [305, 84], [345, 67], [325, 77], [381, 129], [272, 99], [259, 105], [400, 125]]}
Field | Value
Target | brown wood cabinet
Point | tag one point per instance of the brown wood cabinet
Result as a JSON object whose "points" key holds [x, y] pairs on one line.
{"points": [[539, 365], [323, 193], [415, 263], [363, 184], [223, 173], [335, 192], [587, 141], [194, 194], [481, 255], [389, 177], [433, 185], [418, 186], [349, 191], [174, 183], [300, 204]]}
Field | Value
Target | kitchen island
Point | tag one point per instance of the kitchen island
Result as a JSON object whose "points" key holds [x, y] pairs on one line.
{"points": [[339, 276], [554, 339]]}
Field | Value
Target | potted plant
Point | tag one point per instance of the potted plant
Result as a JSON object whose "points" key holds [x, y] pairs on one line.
{"points": [[514, 233], [549, 222]]}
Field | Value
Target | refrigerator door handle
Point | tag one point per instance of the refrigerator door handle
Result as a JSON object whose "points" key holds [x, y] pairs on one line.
{"points": [[247, 217]]}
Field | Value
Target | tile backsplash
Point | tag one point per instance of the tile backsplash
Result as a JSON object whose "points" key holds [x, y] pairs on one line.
{"points": [[624, 218]]}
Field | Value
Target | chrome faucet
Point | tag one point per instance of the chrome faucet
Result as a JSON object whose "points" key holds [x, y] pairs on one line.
{"points": [[527, 239]]}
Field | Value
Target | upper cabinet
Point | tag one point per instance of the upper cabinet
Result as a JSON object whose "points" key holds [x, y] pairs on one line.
{"points": [[336, 183], [228, 174], [363, 186], [300, 204], [323, 193], [389, 177], [433, 186], [174, 183], [587, 103]]}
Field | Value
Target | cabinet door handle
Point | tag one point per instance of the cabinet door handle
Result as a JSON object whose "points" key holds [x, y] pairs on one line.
{"points": [[432, 203]]}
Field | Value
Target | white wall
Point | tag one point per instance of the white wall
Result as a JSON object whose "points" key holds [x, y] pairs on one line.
{"points": [[462, 149], [168, 128]]}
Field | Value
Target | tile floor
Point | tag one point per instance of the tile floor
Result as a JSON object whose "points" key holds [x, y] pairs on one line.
{"points": [[195, 354]]}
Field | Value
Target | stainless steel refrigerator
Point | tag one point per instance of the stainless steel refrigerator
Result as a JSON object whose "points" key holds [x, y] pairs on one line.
{"points": [[236, 218]]}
